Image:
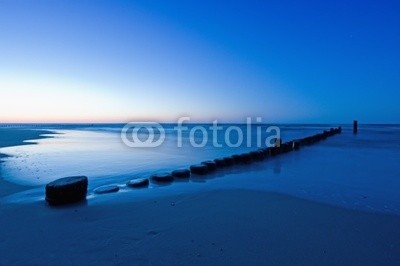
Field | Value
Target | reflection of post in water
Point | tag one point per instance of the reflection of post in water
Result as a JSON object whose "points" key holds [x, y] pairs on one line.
{"points": [[277, 166], [277, 163]]}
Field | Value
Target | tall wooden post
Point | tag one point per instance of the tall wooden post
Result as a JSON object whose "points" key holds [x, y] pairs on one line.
{"points": [[355, 126]]}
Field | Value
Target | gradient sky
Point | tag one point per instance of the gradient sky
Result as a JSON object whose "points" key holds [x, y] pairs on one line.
{"points": [[118, 61]]}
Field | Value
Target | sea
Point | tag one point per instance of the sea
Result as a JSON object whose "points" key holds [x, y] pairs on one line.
{"points": [[356, 171]]}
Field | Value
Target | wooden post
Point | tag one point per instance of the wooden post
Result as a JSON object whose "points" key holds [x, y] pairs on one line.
{"points": [[355, 126], [278, 142]]}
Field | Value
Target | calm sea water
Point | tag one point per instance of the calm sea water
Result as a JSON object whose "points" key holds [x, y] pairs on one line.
{"points": [[355, 171]]}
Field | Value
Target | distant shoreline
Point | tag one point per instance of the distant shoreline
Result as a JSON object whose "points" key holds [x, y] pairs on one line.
{"points": [[30, 125], [16, 137]]}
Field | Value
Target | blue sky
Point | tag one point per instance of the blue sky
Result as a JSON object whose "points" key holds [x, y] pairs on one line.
{"points": [[117, 61]]}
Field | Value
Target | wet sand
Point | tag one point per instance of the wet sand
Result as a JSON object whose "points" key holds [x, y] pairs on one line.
{"points": [[14, 137]]}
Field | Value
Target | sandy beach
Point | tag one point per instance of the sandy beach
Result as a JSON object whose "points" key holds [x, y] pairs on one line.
{"points": [[234, 227], [214, 226]]}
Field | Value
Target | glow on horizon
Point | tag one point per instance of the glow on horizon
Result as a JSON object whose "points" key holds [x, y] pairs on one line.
{"points": [[47, 98], [63, 102], [34, 101]]}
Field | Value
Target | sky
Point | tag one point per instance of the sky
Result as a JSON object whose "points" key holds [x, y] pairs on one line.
{"points": [[119, 61]]}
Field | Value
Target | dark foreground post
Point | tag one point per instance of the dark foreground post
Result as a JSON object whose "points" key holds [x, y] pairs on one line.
{"points": [[355, 126], [67, 190]]}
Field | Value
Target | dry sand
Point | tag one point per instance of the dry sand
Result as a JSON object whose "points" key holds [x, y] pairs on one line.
{"points": [[218, 227]]}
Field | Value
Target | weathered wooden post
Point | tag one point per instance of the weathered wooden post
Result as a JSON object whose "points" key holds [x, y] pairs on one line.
{"points": [[278, 142], [295, 145], [67, 190], [355, 126]]}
